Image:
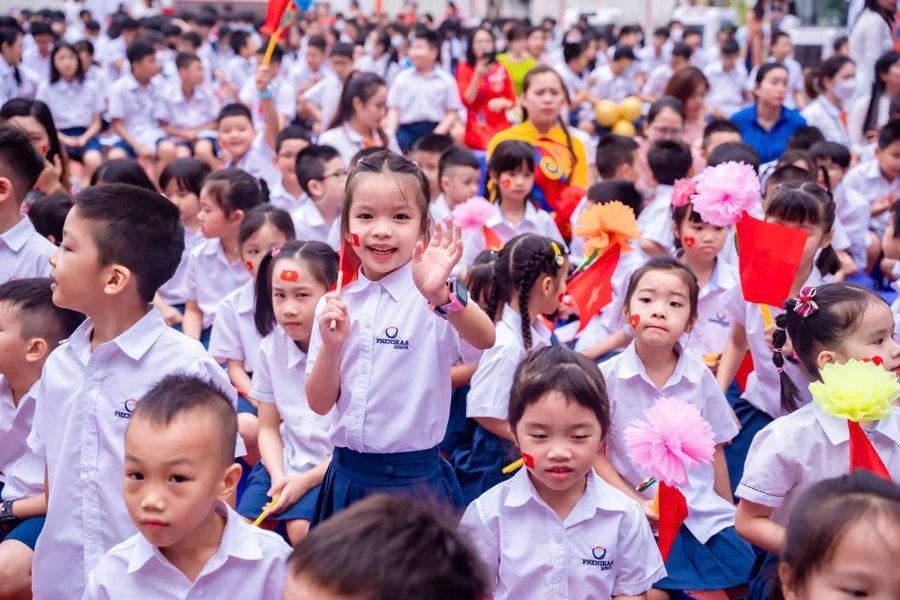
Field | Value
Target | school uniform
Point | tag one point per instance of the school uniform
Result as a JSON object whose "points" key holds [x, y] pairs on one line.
{"points": [[235, 336], [137, 106], [259, 162], [281, 198], [648, 59], [249, 96], [326, 96], [84, 400], [348, 141], [535, 221], [17, 81], [830, 119], [575, 82], [383, 66], [656, 83], [249, 563], [726, 87], [280, 379], [439, 210], [423, 100], [310, 225], [712, 331], [38, 63], [24, 252], [655, 221], [795, 80], [603, 548], [479, 464], [860, 187], [174, 292], [609, 86], [707, 553], [179, 112], [240, 70], [389, 427], [108, 52], [211, 277], [73, 105], [23, 471]]}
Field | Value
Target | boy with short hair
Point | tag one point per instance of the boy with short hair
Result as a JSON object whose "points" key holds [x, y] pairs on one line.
{"points": [[572, 72], [386, 547], [656, 53], [423, 98], [613, 81], [121, 243], [242, 65], [727, 77], [179, 474], [37, 57], [716, 133], [694, 39], [427, 153], [321, 101], [780, 52], [679, 58], [32, 327], [617, 158], [460, 175], [287, 193], [23, 251], [134, 101], [669, 161], [322, 175]]}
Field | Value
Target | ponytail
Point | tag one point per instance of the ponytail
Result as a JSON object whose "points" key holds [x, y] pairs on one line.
{"points": [[790, 393], [882, 66]]}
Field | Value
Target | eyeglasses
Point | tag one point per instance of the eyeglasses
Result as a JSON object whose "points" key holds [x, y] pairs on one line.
{"points": [[339, 174], [667, 131]]}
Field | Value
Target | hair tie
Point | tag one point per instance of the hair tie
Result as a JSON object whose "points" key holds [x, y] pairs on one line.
{"points": [[557, 254], [780, 370], [275, 252], [413, 161], [805, 303], [778, 350]]}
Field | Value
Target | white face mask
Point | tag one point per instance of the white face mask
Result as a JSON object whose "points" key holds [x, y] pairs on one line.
{"points": [[845, 90], [396, 40], [677, 35]]}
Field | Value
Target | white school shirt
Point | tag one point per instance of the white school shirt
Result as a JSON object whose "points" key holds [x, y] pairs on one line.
{"points": [[24, 253], [137, 107], [326, 96], [22, 469], [211, 277], [179, 112], [656, 83], [423, 96], [72, 104], [489, 391], [763, 389], [712, 331], [82, 409], [655, 221], [239, 70], [795, 80], [826, 116], [347, 141], [574, 82], [631, 391], [32, 59], [108, 51], [650, 60], [249, 563], [609, 86], [26, 87], [383, 67], [392, 332], [249, 96], [857, 118], [235, 336], [310, 225], [175, 290], [860, 187], [280, 379], [281, 198], [802, 448], [603, 548], [258, 161], [726, 88], [439, 210]]}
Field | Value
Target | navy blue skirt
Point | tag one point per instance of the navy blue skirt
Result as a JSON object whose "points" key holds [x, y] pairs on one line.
{"points": [[752, 421], [723, 562], [479, 464], [764, 576], [353, 476], [459, 429], [254, 498]]}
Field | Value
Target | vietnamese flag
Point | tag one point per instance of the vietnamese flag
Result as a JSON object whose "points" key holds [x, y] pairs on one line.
{"points": [[863, 454], [348, 264], [673, 511], [769, 256], [491, 240], [591, 289], [275, 14]]}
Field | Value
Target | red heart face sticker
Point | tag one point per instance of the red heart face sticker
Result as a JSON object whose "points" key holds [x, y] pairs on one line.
{"points": [[505, 182], [528, 460], [689, 241], [635, 321], [249, 266], [290, 276], [42, 150], [875, 359]]}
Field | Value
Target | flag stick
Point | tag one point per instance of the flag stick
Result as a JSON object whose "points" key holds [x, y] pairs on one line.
{"points": [[338, 291], [265, 513]]}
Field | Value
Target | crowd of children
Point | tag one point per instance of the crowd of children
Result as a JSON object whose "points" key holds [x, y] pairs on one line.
{"points": [[251, 346]]}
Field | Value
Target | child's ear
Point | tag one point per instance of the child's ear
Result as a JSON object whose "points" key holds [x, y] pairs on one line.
{"points": [[118, 277], [38, 349], [316, 189], [690, 172], [228, 485], [826, 357], [7, 189], [444, 182], [236, 216], [675, 231], [690, 325], [548, 285], [786, 579], [52, 239]]}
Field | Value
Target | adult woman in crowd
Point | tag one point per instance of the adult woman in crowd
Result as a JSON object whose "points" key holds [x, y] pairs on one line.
{"points": [[690, 86], [870, 38], [833, 86]]}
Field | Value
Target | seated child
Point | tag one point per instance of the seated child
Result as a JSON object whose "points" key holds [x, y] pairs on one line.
{"points": [[386, 547], [716, 133], [134, 102], [321, 101], [427, 152], [322, 175], [669, 160], [48, 215], [287, 194], [32, 327], [459, 175], [179, 473], [242, 65]]}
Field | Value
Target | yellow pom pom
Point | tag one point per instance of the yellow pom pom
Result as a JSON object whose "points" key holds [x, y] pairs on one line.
{"points": [[630, 109], [857, 391], [623, 127], [607, 112]]}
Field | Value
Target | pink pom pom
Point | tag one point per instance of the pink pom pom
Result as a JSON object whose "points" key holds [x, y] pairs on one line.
{"points": [[725, 192], [675, 437], [473, 213], [682, 192]]}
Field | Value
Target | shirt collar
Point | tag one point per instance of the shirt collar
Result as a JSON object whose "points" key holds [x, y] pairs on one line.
{"points": [[838, 432], [138, 338], [498, 218], [16, 236], [131, 82], [294, 354], [782, 118], [247, 297], [512, 319], [631, 366], [723, 278], [311, 213], [521, 490], [396, 284]]}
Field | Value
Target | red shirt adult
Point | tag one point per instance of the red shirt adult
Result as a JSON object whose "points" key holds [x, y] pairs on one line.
{"points": [[483, 123]]}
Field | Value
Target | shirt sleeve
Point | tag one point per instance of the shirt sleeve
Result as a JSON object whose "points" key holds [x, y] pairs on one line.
{"points": [[315, 93], [769, 474], [261, 383], [486, 542], [393, 99], [40, 431], [453, 95], [716, 409], [735, 305], [315, 339], [191, 278], [489, 392], [224, 341], [92, 590], [640, 563], [116, 108]]}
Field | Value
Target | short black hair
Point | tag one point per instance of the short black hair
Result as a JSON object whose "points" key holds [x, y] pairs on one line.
{"points": [[136, 228], [123, 170], [341, 49], [277, 53], [669, 160], [188, 174], [572, 51], [778, 35], [48, 215], [292, 132], [662, 32], [171, 29], [613, 151], [363, 153], [616, 189], [718, 126], [734, 151], [837, 153], [239, 39], [840, 42], [786, 174], [433, 142], [730, 46], [317, 41], [805, 137], [682, 50], [627, 30], [692, 31], [262, 215], [310, 164], [41, 28], [234, 110], [624, 52], [889, 134], [138, 50], [192, 38], [456, 157], [19, 161], [423, 33], [185, 59], [92, 25], [178, 394], [32, 301], [390, 547]]}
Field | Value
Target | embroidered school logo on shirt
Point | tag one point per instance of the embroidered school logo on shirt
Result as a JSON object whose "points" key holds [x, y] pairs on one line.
{"points": [[599, 555], [128, 408], [392, 337], [720, 319]]}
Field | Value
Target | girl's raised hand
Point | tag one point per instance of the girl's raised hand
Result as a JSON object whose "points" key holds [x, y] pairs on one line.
{"points": [[432, 265], [336, 311]]}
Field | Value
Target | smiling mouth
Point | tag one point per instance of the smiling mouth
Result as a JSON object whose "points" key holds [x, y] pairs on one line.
{"points": [[381, 251]]}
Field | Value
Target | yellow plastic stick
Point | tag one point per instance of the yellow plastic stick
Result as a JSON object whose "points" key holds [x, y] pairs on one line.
{"points": [[513, 467], [265, 513], [338, 294], [767, 314], [655, 505], [273, 41]]}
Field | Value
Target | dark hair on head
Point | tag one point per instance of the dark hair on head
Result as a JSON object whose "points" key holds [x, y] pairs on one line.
{"points": [[321, 260], [136, 228], [730, 47], [471, 60], [41, 28], [718, 126], [265, 214], [25, 107], [38, 317], [685, 82], [682, 213], [433, 142], [139, 50], [839, 154], [517, 32], [689, 31], [822, 517], [795, 155], [19, 161], [386, 162], [310, 165], [187, 173], [521, 262], [827, 70], [122, 170], [882, 66], [564, 371], [54, 72], [682, 50], [277, 53], [889, 134], [840, 309], [456, 157], [84, 46], [292, 132], [572, 51], [667, 263], [48, 215], [786, 174], [480, 276], [778, 35], [233, 110], [622, 190], [736, 152], [317, 41], [235, 189], [613, 151], [767, 68], [363, 153], [192, 38], [8, 37], [180, 394], [665, 103], [669, 160], [362, 86], [804, 137], [185, 59], [510, 155], [431, 37], [239, 39], [662, 32], [624, 53], [839, 42], [391, 547]]}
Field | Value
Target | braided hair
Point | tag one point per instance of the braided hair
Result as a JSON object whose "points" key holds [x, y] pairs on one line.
{"points": [[523, 260], [840, 307]]}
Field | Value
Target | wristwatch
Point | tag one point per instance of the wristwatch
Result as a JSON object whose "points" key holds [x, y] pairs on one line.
{"points": [[6, 511], [459, 299]]}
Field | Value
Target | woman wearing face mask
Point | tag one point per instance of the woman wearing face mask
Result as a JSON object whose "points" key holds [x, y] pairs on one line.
{"points": [[835, 84]]}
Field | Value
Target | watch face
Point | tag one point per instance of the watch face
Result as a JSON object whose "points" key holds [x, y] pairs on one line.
{"points": [[462, 293]]}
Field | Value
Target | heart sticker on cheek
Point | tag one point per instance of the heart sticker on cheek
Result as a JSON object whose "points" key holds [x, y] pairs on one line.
{"points": [[249, 266], [689, 241], [528, 460], [290, 276], [505, 182], [875, 359], [42, 150], [635, 321]]}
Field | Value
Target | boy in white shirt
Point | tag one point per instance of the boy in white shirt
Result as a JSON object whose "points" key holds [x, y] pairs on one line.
{"points": [[427, 152], [23, 251], [134, 102], [780, 51], [37, 58], [656, 53], [321, 101], [249, 95], [305, 73], [669, 160], [32, 327], [679, 57], [613, 81], [288, 194], [120, 244], [460, 176], [243, 65], [179, 473], [727, 81], [322, 175]]}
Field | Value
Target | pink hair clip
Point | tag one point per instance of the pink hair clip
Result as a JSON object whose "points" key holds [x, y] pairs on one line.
{"points": [[805, 303], [275, 252]]}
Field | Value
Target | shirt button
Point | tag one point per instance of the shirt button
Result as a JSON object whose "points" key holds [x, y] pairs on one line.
{"points": [[559, 538], [389, 470]]}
